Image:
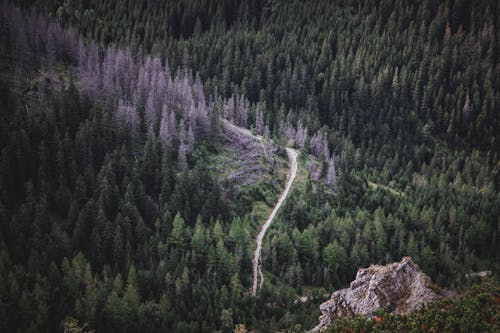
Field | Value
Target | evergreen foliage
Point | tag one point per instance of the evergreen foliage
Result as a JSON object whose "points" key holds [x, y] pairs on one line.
{"points": [[112, 219]]}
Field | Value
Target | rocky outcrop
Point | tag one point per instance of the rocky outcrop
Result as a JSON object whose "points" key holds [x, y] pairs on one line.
{"points": [[400, 287]]}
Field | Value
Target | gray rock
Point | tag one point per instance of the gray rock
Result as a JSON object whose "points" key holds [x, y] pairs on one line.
{"points": [[400, 288]]}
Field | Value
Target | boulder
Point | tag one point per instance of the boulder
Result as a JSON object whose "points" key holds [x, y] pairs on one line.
{"points": [[400, 288]]}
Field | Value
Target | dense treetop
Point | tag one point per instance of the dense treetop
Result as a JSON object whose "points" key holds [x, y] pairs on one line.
{"points": [[111, 212]]}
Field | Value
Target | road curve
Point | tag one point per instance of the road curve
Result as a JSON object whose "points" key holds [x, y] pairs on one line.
{"points": [[292, 156]]}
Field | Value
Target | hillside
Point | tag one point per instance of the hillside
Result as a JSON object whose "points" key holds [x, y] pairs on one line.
{"points": [[477, 310], [148, 148]]}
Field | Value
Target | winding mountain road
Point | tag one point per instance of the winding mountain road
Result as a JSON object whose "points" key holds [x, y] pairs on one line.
{"points": [[292, 156]]}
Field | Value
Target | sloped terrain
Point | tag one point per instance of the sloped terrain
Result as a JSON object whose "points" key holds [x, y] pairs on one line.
{"points": [[399, 288]]}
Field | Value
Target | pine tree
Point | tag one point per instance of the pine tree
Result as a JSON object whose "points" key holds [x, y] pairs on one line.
{"points": [[259, 120], [467, 109], [331, 175], [166, 133], [131, 299], [176, 237], [182, 155]]}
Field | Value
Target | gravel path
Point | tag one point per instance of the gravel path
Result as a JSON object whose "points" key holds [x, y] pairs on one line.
{"points": [[292, 155]]}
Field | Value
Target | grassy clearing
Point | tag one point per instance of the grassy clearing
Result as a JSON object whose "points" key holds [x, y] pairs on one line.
{"points": [[225, 162], [376, 186], [302, 173], [260, 211]]}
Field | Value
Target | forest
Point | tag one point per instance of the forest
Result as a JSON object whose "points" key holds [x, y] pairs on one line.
{"points": [[116, 209]]}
